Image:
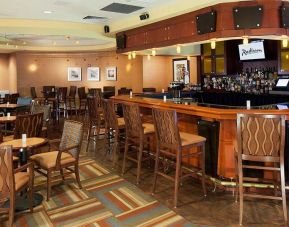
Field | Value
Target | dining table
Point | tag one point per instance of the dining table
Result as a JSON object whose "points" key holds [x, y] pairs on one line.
{"points": [[23, 149], [8, 107]]}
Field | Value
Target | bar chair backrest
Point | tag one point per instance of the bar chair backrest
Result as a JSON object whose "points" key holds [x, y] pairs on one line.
{"points": [[93, 110], [33, 92], [109, 114], [61, 94], [72, 91], [133, 122], [29, 124], [81, 93], [261, 137], [166, 128]]}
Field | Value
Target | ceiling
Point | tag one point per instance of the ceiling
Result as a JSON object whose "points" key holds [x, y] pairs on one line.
{"points": [[24, 25]]}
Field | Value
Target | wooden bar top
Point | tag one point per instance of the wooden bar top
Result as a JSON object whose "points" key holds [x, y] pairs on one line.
{"points": [[193, 109]]}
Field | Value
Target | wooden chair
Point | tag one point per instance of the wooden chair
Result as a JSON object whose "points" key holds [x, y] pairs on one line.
{"points": [[82, 99], [45, 109], [65, 157], [29, 124], [13, 181], [260, 138], [113, 125], [34, 96], [137, 133], [95, 120], [71, 101], [171, 143]]}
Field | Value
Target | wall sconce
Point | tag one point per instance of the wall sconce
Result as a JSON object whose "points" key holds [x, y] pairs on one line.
{"points": [[133, 55], [129, 56], [178, 49], [245, 40], [154, 52], [284, 42], [213, 44]]}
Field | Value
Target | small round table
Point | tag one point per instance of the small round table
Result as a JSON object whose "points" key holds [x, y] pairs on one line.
{"points": [[33, 142], [6, 119]]}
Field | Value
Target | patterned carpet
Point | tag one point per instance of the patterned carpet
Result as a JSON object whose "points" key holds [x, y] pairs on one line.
{"points": [[105, 200]]}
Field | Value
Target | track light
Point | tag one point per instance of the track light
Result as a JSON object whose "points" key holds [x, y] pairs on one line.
{"points": [[178, 49], [284, 42], [129, 56], [133, 55], [245, 40], [213, 43], [154, 52]]}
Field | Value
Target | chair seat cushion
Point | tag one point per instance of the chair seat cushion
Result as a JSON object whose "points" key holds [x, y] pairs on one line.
{"points": [[21, 179], [148, 128], [190, 139], [120, 122], [47, 160]]}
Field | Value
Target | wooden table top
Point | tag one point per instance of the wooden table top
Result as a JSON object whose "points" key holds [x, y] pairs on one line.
{"points": [[6, 119], [30, 142], [11, 106]]}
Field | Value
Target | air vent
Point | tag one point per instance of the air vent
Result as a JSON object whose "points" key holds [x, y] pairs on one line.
{"points": [[94, 18], [121, 8]]}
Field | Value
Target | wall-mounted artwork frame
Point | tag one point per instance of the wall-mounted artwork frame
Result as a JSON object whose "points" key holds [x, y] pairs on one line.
{"points": [[74, 74], [93, 74], [181, 70], [111, 73]]}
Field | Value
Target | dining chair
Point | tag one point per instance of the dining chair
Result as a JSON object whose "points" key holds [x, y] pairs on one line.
{"points": [[175, 145], [45, 109], [61, 101], [260, 140], [82, 100], [13, 181], [29, 124], [64, 158], [71, 101]]}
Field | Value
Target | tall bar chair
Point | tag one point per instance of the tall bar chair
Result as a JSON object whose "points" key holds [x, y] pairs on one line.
{"points": [[71, 101], [113, 125], [34, 96], [82, 100], [171, 143], [138, 134], [95, 120], [62, 102], [261, 139]]}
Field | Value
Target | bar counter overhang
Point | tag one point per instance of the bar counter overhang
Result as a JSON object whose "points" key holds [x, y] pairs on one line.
{"points": [[188, 115]]}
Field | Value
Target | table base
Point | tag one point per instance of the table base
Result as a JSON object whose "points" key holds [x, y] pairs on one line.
{"points": [[22, 202]]}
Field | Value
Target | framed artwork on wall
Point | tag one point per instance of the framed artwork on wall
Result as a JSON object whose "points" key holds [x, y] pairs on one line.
{"points": [[181, 70], [74, 74], [111, 73], [93, 74]]}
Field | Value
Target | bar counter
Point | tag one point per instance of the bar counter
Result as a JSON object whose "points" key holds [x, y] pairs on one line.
{"points": [[190, 113]]}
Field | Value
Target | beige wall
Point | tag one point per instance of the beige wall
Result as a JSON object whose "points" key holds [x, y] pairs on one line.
{"points": [[158, 71], [23, 70], [4, 74], [42, 69]]}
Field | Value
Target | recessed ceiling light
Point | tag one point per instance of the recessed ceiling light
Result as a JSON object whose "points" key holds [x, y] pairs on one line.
{"points": [[47, 11]]}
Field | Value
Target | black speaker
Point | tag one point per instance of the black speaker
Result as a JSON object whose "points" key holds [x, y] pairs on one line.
{"points": [[144, 16], [106, 29], [121, 41], [285, 16], [206, 22], [247, 17]]}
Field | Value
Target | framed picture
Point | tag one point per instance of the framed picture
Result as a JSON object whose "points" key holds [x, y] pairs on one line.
{"points": [[93, 74], [74, 74], [181, 70], [111, 73]]}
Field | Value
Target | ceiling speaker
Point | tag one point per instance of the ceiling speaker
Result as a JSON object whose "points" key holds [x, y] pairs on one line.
{"points": [[144, 16], [106, 29]]}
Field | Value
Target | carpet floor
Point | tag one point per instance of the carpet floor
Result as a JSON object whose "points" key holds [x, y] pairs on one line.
{"points": [[105, 200]]}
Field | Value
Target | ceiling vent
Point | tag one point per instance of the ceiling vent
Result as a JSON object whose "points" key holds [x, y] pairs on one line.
{"points": [[94, 18], [121, 8]]}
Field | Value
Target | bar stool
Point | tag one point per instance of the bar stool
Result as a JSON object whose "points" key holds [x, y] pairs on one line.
{"points": [[71, 101], [137, 133], [82, 99], [260, 138], [171, 143], [113, 125], [95, 120]]}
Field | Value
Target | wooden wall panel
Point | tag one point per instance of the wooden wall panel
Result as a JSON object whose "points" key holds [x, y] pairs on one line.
{"points": [[182, 29]]}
